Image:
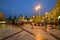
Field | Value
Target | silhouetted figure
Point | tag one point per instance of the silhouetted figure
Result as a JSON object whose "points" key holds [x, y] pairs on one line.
{"points": [[13, 21], [45, 22]]}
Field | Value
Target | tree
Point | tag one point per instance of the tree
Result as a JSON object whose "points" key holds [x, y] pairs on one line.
{"points": [[9, 18], [2, 17], [14, 17], [13, 21]]}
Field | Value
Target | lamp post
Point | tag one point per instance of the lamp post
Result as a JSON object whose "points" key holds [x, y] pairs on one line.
{"points": [[37, 8]]}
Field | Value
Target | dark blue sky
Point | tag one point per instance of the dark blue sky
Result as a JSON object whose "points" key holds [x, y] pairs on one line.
{"points": [[25, 7]]}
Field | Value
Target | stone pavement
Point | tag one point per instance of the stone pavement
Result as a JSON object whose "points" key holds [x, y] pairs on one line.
{"points": [[8, 30], [27, 33]]}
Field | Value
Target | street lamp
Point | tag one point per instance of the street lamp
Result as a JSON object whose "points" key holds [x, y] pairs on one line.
{"points": [[37, 8]]}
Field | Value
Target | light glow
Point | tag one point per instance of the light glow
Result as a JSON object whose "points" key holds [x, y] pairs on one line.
{"points": [[38, 7]]}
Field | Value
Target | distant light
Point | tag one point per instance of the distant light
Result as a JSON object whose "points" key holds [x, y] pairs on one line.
{"points": [[2, 22], [46, 13], [31, 20], [58, 17]]}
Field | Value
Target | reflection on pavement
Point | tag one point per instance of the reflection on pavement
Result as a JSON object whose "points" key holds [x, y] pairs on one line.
{"points": [[39, 37], [37, 33], [2, 28]]}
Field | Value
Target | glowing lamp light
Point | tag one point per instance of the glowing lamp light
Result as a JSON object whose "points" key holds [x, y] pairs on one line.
{"points": [[38, 7], [46, 13], [58, 17]]}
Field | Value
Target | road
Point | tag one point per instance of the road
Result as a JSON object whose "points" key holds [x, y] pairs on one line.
{"points": [[10, 32]]}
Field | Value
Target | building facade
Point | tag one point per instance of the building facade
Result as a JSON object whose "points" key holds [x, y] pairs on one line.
{"points": [[55, 12]]}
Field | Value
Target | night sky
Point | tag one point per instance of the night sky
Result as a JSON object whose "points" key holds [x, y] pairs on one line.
{"points": [[25, 7]]}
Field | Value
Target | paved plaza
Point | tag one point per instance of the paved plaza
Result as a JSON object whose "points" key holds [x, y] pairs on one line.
{"points": [[10, 32]]}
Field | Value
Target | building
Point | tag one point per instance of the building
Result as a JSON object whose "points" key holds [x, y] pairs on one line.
{"points": [[55, 12]]}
